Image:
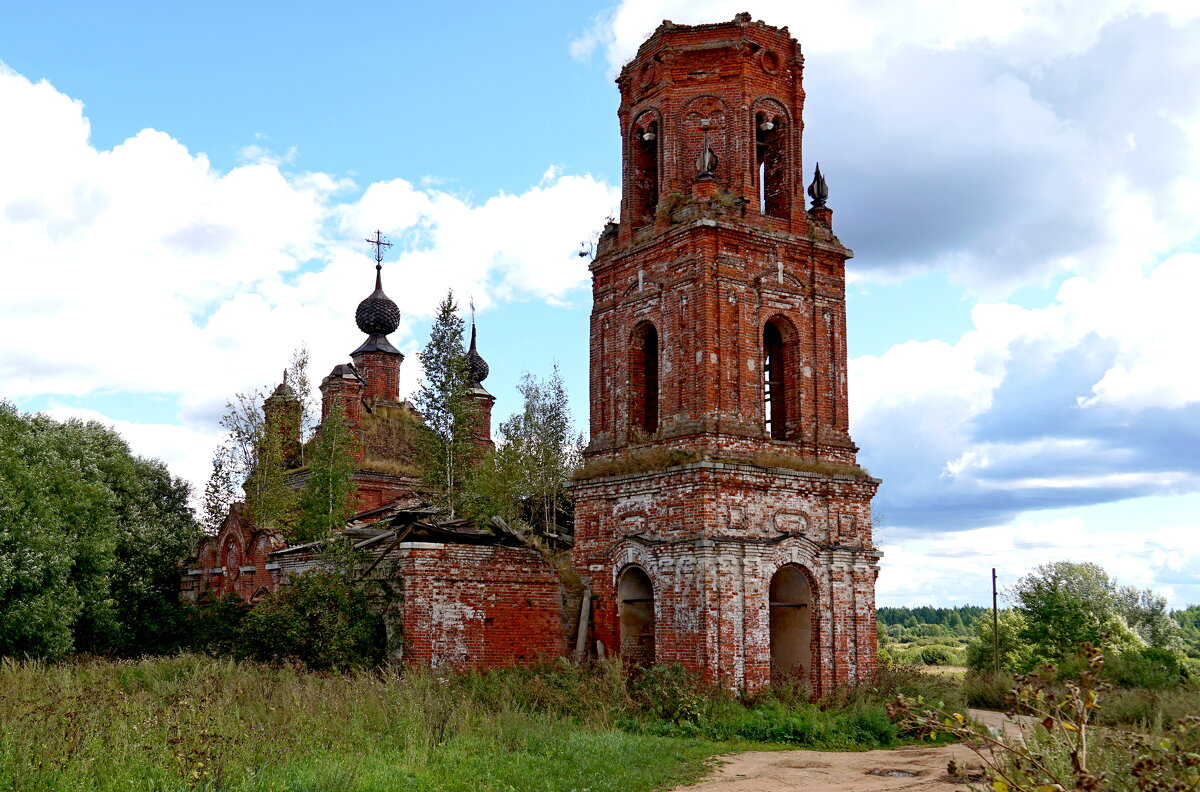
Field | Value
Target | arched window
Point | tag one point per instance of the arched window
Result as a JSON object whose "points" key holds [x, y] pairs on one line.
{"points": [[790, 597], [231, 559], [643, 378], [635, 601], [775, 381], [774, 189], [644, 176]]}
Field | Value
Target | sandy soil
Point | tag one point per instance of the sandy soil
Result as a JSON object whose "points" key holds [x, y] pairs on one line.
{"points": [[912, 767]]}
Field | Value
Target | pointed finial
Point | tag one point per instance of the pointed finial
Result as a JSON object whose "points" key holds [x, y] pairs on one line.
{"points": [[284, 380], [472, 304], [477, 367], [378, 315], [380, 243], [818, 190]]}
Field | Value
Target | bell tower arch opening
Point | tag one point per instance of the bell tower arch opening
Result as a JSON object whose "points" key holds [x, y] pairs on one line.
{"points": [[770, 147], [635, 597], [643, 378], [644, 166], [791, 625], [780, 393]]}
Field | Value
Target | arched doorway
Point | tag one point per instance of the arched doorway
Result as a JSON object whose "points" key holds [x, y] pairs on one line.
{"points": [[635, 598], [791, 625]]}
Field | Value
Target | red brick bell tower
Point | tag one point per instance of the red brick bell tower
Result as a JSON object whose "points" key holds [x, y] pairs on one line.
{"points": [[724, 523]]}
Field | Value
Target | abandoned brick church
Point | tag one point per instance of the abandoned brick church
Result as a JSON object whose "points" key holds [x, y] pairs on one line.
{"points": [[721, 520]]}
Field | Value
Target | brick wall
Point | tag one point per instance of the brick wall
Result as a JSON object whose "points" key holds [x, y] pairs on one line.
{"points": [[473, 606], [235, 561], [381, 372], [711, 535]]}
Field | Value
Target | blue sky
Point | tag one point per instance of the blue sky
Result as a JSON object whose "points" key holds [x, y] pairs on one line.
{"points": [[184, 191]]}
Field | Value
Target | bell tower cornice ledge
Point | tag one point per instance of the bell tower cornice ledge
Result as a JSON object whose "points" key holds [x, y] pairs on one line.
{"points": [[610, 251]]}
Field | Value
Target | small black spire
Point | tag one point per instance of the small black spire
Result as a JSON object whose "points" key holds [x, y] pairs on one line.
{"points": [[283, 391], [818, 190], [477, 367]]}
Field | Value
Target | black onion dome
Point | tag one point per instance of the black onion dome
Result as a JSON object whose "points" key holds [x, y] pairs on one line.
{"points": [[477, 367], [377, 315]]}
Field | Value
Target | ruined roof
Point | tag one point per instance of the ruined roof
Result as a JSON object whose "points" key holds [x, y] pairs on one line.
{"points": [[283, 391]]}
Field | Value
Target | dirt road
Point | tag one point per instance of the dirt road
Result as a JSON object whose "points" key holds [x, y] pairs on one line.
{"points": [[914, 767]]}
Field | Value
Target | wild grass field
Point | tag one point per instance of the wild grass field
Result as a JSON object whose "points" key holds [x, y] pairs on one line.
{"points": [[195, 722]]}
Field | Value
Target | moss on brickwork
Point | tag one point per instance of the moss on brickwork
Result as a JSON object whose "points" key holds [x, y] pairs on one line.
{"points": [[807, 465], [642, 460], [646, 460]]}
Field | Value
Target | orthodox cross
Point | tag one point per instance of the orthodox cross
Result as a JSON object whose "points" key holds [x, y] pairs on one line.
{"points": [[380, 244]]}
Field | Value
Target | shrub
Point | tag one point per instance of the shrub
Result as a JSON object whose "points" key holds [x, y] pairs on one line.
{"points": [[936, 654], [212, 625], [988, 690], [1152, 668], [1061, 749], [319, 619], [671, 693], [1148, 708], [907, 681]]}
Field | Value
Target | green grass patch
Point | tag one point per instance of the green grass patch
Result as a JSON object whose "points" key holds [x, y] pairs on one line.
{"points": [[192, 722], [196, 722]]}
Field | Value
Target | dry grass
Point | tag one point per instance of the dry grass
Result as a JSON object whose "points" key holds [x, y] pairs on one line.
{"points": [[640, 461], [391, 467], [649, 459], [808, 465], [390, 433]]}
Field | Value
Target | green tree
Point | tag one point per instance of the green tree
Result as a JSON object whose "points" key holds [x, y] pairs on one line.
{"points": [[1146, 614], [532, 464], [1065, 604], [252, 460], [1188, 620], [90, 536], [448, 446], [156, 529], [1015, 653], [270, 502], [325, 502], [236, 456], [310, 411]]}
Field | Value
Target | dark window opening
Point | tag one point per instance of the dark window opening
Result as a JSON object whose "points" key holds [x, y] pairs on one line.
{"points": [[775, 376], [645, 173], [643, 379], [773, 187]]}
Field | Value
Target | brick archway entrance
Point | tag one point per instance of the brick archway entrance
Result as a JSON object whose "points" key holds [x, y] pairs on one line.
{"points": [[635, 593], [791, 625]]}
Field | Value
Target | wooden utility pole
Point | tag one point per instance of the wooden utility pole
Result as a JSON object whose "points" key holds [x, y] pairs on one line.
{"points": [[995, 626]]}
